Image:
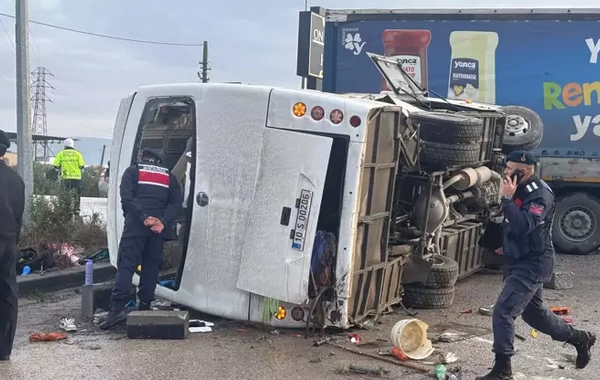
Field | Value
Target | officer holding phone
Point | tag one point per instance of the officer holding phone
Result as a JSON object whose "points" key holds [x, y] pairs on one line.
{"points": [[528, 206]]}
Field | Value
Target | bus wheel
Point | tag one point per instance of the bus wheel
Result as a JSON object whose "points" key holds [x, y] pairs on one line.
{"points": [[575, 230], [420, 297], [443, 273]]}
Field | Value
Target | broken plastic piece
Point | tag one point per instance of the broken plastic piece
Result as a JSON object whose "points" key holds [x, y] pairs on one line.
{"points": [[534, 333], [560, 310], [395, 351], [469, 311], [47, 337], [354, 338]]}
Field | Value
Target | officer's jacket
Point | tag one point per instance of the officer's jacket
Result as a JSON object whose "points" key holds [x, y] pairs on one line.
{"points": [[527, 229], [70, 162], [149, 190]]}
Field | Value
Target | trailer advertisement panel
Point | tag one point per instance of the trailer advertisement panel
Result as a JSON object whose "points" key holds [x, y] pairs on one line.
{"points": [[550, 66]]}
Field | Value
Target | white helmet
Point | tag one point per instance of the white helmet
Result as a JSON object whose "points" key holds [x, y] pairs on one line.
{"points": [[69, 143]]}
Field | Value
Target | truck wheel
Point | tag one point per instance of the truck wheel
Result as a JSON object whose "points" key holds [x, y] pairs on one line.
{"points": [[444, 272], [575, 229], [450, 155], [447, 128], [524, 129], [420, 297]]}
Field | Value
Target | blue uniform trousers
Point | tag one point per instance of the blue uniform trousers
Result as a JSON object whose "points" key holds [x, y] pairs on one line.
{"points": [[522, 296], [134, 251]]}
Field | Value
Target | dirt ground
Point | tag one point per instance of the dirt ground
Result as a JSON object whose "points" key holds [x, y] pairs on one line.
{"points": [[241, 352]]}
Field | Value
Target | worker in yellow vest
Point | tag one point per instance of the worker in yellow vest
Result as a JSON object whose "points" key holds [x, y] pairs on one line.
{"points": [[70, 163]]}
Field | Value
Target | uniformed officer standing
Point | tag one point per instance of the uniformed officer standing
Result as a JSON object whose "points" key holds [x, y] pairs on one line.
{"points": [[12, 204], [70, 162], [528, 205], [151, 200]]}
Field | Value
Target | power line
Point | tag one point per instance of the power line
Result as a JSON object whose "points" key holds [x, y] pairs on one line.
{"points": [[106, 35]]}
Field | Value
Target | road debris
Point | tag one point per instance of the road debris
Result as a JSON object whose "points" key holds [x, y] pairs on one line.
{"points": [[534, 333], [560, 310], [47, 337], [68, 324], [322, 341], [354, 338], [396, 352], [199, 326], [408, 364], [454, 332], [486, 310], [361, 370], [468, 311], [520, 337], [410, 335]]}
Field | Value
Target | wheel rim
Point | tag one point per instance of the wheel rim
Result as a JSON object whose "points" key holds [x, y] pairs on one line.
{"points": [[516, 126], [578, 223]]}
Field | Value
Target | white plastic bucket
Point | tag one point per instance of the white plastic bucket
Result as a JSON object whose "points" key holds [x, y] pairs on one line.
{"points": [[410, 335]]}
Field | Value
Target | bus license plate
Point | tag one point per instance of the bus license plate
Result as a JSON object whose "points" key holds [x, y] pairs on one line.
{"points": [[304, 204]]}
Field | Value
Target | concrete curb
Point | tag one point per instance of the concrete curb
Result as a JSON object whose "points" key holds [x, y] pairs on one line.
{"points": [[63, 279]]}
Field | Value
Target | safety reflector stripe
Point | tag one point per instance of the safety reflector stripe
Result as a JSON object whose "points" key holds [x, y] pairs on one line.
{"points": [[534, 185], [146, 177]]}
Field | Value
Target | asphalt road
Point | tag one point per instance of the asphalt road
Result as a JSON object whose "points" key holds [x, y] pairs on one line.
{"points": [[235, 351]]}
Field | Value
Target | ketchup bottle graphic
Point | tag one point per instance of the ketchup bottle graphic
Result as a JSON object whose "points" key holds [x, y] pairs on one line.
{"points": [[409, 46]]}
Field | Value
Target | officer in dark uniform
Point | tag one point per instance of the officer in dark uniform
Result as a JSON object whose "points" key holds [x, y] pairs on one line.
{"points": [[12, 204], [151, 200], [528, 206]]}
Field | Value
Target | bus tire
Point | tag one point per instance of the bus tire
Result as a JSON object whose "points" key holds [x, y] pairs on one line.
{"points": [[524, 129], [575, 230], [443, 273], [447, 127], [420, 297], [444, 155]]}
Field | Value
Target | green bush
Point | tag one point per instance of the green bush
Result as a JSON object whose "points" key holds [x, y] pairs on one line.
{"points": [[53, 222]]}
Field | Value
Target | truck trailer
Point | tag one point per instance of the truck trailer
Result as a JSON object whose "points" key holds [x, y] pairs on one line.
{"points": [[540, 65]]}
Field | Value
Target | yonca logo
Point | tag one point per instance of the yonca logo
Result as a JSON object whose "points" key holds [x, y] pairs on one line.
{"points": [[407, 61], [464, 65], [354, 43]]}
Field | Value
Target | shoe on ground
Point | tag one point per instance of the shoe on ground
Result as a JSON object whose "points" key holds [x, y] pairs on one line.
{"points": [[583, 341], [114, 317], [502, 370], [68, 324]]}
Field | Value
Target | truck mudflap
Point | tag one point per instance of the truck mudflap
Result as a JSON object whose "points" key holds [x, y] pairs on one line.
{"points": [[375, 275]]}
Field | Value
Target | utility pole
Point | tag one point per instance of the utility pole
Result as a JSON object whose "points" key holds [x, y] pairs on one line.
{"points": [[39, 99], [24, 139], [203, 74]]}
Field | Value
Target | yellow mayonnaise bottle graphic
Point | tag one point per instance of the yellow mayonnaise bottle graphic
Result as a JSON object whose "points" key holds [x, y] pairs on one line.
{"points": [[473, 66]]}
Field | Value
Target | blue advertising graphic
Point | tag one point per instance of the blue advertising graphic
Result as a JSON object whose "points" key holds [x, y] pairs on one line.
{"points": [[551, 67]]}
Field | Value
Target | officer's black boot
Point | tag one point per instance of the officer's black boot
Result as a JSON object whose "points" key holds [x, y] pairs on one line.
{"points": [[115, 316], [583, 342], [144, 305], [502, 370]]}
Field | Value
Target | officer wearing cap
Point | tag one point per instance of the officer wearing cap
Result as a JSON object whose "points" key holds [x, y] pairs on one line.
{"points": [[12, 204], [151, 200], [528, 206]]}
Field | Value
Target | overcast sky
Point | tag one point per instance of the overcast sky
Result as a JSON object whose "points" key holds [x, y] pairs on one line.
{"points": [[250, 41]]}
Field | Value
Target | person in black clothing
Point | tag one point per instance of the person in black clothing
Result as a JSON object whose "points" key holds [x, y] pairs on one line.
{"points": [[12, 204], [151, 200], [528, 206]]}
